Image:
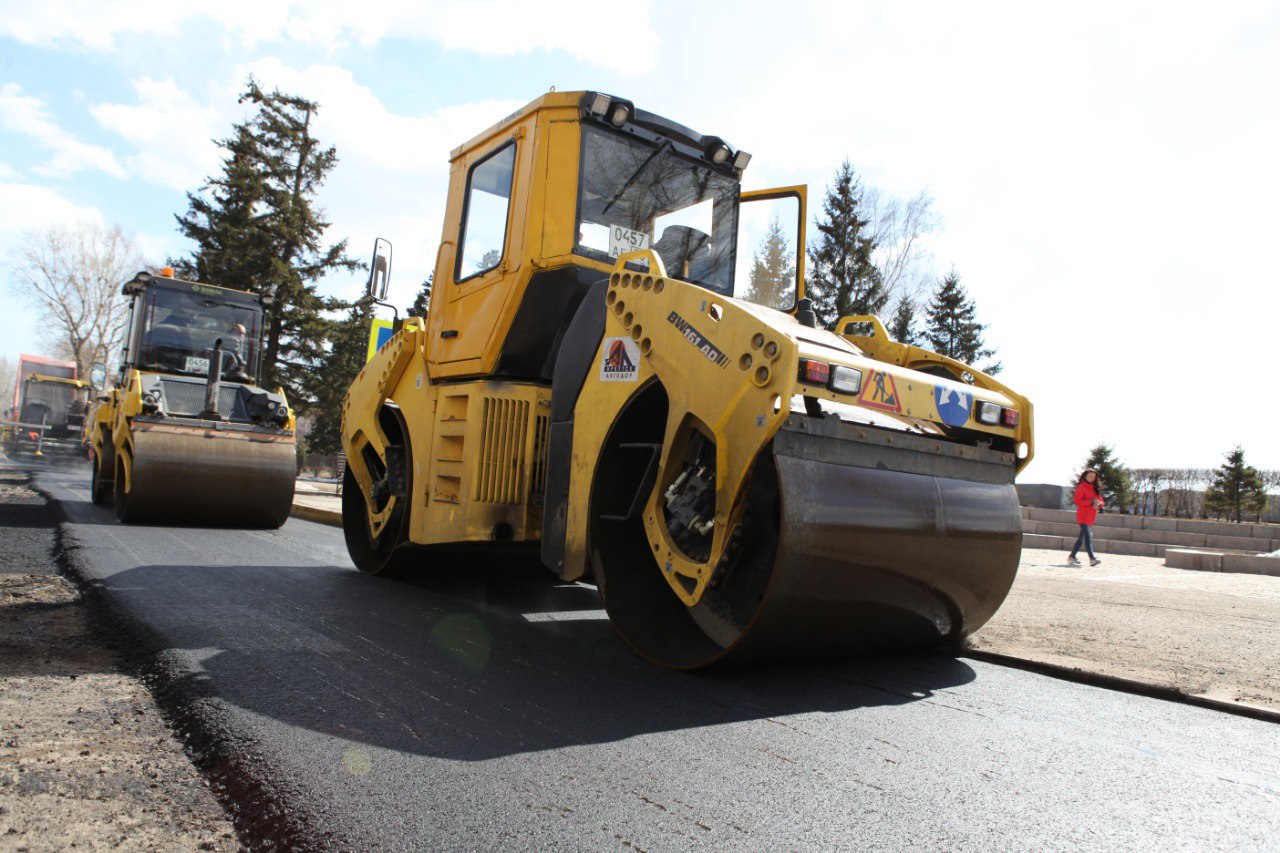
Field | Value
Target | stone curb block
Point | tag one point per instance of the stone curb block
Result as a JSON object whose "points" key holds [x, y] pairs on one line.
{"points": [[1215, 561], [314, 513]]}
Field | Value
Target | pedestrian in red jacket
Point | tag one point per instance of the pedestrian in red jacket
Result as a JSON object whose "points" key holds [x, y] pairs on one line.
{"points": [[1088, 499]]}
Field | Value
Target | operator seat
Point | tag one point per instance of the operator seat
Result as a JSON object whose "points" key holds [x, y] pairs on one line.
{"points": [[681, 245]]}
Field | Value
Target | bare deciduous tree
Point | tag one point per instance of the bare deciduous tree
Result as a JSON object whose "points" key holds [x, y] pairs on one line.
{"points": [[8, 374], [73, 273], [898, 228]]}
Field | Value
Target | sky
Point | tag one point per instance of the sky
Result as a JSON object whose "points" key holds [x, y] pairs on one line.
{"points": [[1106, 175]]}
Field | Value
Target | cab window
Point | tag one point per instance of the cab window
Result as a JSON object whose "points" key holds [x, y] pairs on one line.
{"points": [[484, 218]]}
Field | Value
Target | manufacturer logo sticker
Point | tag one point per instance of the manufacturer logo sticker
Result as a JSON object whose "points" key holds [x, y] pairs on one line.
{"points": [[621, 360], [695, 337], [953, 406], [880, 392]]}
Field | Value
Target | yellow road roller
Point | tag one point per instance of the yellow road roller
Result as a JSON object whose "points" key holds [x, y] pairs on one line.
{"points": [[48, 418], [604, 379], [186, 436]]}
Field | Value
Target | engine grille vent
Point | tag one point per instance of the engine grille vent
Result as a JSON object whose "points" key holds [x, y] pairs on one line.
{"points": [[502, 451], [541, 426], [186, 399]]}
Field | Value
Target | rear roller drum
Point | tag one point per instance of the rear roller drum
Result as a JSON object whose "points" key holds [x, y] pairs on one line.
{"points": [[100, 488], [642, 605], [829, 559], [374, 555], [124, 514]]}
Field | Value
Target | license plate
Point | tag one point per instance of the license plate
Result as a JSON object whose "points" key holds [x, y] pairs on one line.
{"points": [[625, 240], [197, 365]]}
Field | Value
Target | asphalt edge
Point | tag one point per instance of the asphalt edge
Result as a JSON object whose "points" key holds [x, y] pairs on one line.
{"points": [[1123, 685], [236, 774]]}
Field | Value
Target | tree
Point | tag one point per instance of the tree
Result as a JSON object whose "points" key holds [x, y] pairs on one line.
{"points": [[902, 327], [1116, 484], [952, 328], [422, 302], [1237, 489], [8, 375], [773, 269], [72, 274], [256, 228], [338, 369], [898, 227], [842, 279]]}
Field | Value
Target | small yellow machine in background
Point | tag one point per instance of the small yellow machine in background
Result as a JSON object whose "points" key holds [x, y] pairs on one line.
{"points": [[186, 436], [597, 378]]}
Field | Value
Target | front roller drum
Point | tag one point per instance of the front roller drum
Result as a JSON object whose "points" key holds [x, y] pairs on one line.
{"points": [[848, 549], [207, 477]]}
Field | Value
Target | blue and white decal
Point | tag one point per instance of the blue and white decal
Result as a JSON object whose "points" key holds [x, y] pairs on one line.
{"points": [[953, 406]]}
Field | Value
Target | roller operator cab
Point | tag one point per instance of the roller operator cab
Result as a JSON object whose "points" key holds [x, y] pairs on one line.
{"points": [[186, 435], [609, 373], [49, 417]]}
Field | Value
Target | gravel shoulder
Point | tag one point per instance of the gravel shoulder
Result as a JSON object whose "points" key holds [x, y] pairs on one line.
{"points": [[86, 758], [1204, 634]]}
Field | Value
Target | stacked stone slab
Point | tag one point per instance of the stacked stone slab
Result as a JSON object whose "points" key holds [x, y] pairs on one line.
{"points": [[1147, 536]]}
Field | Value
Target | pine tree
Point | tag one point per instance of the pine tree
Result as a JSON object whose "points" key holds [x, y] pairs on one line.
{"points": [[902, 327], [843, 280], [256, 228], [952, 328], [422, 302], [338, 369], [1115, 481], [1237, 489], [773, 270]]}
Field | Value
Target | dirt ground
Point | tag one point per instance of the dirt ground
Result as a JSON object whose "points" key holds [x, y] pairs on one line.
{"points": [[86, 759], [1203, 633]]}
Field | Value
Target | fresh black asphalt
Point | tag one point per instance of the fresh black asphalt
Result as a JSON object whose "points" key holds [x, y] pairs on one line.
{"points": [[489, 706]]}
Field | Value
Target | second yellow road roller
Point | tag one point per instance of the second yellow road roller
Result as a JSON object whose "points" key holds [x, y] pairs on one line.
{"points": [[602, 379], [186, 436]]}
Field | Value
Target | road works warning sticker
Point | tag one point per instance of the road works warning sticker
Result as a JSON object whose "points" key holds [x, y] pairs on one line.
{"points": [[621, 360], [880, 392]]}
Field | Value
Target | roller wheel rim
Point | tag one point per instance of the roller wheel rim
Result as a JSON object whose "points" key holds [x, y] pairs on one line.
{"points": [[97, 490], [122, 496], [372, 558]]}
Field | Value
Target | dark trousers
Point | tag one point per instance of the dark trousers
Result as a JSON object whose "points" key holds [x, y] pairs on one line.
{"points": [[1086, 539]]}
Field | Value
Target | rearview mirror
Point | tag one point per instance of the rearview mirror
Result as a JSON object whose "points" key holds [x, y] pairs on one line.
{"points": [[97, 376], [379, 270]]}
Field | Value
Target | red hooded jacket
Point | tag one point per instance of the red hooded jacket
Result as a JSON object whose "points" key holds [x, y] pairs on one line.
{"points": [[1086, 512]]}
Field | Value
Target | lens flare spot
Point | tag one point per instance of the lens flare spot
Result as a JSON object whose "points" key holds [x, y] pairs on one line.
{"points": [[357, 761], [466, 640]]}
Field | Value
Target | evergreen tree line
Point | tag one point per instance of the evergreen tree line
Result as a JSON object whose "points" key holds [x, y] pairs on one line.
{"points": [[865, 259], [1234, 491]]}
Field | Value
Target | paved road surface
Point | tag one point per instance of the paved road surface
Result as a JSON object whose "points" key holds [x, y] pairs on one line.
{"points": [[501, 709]]}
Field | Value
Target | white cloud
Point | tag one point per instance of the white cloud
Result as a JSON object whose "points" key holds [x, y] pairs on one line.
{"points": [[486, 27], [174, 135], [28, 206], [28, 116]]}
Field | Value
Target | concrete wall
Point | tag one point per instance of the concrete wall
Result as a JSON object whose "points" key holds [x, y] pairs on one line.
{"points": [[1044, 495]]}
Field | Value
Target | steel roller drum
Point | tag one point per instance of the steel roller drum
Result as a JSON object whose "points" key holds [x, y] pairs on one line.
{"points": [[861, 541], [217, 477]]}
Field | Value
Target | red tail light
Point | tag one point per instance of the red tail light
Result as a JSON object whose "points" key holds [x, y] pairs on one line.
{"points": [[1012, 417], [814, 372]]}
